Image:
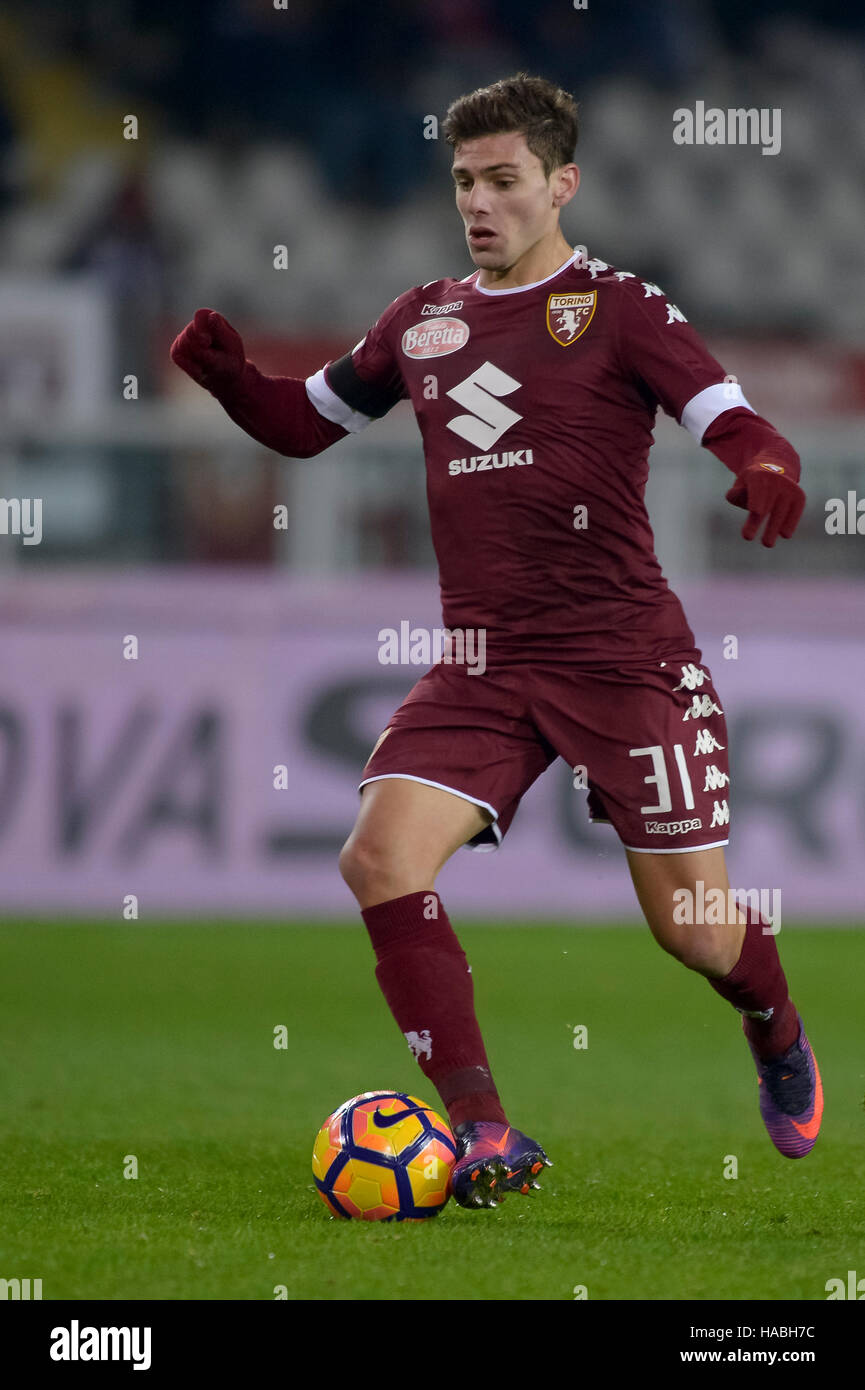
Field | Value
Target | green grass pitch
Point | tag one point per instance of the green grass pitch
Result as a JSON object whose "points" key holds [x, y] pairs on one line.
{"points": [[156, 1041]]}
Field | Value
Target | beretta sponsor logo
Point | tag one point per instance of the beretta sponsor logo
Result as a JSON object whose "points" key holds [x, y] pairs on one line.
{"points": [[436, 338]]}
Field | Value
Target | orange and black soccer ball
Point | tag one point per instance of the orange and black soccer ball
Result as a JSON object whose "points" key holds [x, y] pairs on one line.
{"points": [[384, 1156]]}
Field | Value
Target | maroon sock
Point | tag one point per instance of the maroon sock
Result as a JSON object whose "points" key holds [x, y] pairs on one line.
{"points": [[426, 980], [757, 987]]}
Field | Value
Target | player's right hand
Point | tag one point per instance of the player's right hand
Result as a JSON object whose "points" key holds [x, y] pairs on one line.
{"points": [[210, 351], [764, 489]]}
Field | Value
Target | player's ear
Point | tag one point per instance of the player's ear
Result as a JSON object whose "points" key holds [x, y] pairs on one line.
{"points": [[566, 181]]}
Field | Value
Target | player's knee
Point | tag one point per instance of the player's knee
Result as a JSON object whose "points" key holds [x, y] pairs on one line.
{"points": [[353, 863], [700, 950], [367, 868]]}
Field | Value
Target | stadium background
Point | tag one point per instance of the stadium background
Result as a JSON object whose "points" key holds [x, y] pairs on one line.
{"points": [[305, 128]]}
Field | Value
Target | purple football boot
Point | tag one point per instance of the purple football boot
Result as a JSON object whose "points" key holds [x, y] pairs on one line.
{"points": [[492, 1160], [791, 1097]]}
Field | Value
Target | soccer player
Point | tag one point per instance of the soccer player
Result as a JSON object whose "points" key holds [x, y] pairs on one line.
{"points": [[542, 370]]}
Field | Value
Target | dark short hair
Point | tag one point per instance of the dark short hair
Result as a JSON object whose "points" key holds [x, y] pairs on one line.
{"points": [[545, 114]]}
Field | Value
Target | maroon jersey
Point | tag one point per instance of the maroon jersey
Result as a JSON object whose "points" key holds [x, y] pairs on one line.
{"points": [[536, 406]]}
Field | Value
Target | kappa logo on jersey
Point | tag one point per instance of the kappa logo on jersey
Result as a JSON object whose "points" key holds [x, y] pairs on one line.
{"points": [[435, 339], [442, 308], [478, 393], [674, 313], [569, 315]]}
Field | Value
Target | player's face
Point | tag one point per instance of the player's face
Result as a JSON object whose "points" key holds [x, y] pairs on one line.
{"points": [[504, 198]]}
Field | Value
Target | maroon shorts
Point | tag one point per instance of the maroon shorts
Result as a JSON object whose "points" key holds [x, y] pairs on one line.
{"points": [[647, 741]]}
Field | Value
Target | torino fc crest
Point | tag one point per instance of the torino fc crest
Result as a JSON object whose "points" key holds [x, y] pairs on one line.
{"points": [[569, 315]]}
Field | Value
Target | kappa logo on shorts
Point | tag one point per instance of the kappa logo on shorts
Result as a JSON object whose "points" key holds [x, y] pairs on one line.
{"points": [[715, 779], [701, 708], [692, 677], [569, 315], [707, 743], [436, 338], [673, 827]]}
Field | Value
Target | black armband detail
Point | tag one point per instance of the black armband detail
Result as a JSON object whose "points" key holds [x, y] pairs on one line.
{"points": [[371, 398]]}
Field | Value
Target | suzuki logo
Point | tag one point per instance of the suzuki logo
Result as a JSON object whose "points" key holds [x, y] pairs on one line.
{"points": [[489, 418]]}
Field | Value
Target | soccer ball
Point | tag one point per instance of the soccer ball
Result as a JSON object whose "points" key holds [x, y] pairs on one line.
{"points": [[384, 1156]]}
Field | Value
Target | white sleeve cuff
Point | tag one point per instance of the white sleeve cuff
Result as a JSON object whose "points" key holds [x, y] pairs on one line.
{"points": [[332, 407], [707, 405]]}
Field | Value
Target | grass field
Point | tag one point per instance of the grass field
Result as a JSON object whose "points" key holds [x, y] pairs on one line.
{"points": [[157, 1042]]}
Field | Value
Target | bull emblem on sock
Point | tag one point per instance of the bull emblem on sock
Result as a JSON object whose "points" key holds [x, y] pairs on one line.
{"points": [[420, 1043]]}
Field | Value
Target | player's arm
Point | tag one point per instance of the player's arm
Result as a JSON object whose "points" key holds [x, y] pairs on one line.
{"points": [[291, 416], [669, 357]]}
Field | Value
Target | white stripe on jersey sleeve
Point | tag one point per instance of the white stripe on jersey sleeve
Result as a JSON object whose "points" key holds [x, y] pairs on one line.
{"points": [[332, 407], [707, 405]]}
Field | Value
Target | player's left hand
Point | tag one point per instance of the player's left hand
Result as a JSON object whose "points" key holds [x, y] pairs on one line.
{"points": [[764, 489]]}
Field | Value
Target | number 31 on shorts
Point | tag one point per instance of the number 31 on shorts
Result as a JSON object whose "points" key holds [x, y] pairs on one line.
{"points": [[661, 778]]}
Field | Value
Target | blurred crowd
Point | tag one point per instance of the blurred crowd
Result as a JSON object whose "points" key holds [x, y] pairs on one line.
{"points": [[340, 75], [298, 122]]}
